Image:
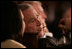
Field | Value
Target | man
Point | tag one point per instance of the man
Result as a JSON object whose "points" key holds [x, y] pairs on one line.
{"points": [[33, 26], [41, 17]]}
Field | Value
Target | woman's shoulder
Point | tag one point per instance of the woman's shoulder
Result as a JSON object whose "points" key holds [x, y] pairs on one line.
{"points": [[11, 44]]}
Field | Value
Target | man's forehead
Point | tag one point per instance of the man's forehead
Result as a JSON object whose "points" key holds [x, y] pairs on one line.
{"points": [[30, 14]]}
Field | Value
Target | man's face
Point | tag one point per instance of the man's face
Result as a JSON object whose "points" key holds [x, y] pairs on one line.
{"points": [[65, 22], [32, 24]]}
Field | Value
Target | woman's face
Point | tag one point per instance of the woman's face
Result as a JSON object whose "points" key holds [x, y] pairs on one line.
{"points": [[23, 23], [32, 24]]}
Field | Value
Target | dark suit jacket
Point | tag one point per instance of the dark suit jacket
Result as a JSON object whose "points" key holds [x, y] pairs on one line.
{"points": [[53, 42]]}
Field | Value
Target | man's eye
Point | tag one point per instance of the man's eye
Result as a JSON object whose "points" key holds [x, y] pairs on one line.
{"points": [[32, 20]]}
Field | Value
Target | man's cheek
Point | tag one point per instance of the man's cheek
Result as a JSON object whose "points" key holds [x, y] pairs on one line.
{"points": [[32, 27]]}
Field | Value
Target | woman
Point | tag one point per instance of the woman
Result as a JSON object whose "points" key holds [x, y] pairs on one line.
{"points": [[12, 25]]}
